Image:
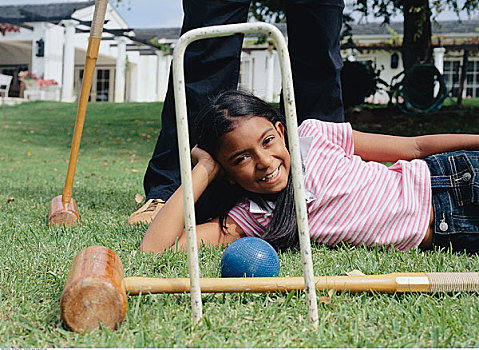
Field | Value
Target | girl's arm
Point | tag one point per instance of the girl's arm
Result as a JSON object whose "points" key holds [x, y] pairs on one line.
{"points": [[388, 148], [168, 225]]}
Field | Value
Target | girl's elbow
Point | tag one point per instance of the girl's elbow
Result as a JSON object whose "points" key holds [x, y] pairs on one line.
{"points": [[418, 150], [152, 245], [147, 245], [146, 248]]}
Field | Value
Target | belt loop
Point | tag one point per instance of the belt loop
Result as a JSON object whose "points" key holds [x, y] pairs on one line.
{"points": [[441, 180]]}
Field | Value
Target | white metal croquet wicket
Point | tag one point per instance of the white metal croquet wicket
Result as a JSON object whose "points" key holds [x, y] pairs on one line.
{"points": [[185, 161]]}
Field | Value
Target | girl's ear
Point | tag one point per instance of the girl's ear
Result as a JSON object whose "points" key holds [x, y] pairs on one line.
{"points": [[227, 177], [280, 129]]}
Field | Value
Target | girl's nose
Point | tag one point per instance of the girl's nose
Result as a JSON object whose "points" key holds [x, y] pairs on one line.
{"points": [[264, 160]]}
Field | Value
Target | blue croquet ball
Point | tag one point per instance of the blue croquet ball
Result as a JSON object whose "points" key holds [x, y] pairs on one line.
{"points": [[250, 257]]}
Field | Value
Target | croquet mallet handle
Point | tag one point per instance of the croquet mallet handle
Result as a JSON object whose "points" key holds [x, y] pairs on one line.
{"points": [[90, 63], [386, 283], [413, 282]]}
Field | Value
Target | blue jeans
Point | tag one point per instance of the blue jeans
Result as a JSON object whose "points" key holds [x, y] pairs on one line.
{"points": [[455, 198]]}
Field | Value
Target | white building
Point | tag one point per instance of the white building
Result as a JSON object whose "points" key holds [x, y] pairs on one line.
{"points": [[133, 64], [381, 45], [52, 43]]}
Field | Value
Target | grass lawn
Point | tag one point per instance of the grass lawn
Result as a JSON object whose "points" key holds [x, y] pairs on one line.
{"points": [[117, 143]]}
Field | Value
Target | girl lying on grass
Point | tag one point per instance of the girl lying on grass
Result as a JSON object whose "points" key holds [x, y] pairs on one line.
{"points": [[426, 199]]}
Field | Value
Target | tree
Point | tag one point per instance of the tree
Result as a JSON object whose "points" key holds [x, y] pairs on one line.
{"points": [[268, 10], [416, 47], [418, 14]]}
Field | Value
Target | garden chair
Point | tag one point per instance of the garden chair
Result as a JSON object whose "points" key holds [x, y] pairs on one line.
{"points": [[5, 81]]}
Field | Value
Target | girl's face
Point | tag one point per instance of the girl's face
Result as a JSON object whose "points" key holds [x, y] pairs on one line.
{"points": [[254, 155]]}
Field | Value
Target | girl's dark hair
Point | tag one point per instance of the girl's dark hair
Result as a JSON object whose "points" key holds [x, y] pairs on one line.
{"points": [[215, 120]]}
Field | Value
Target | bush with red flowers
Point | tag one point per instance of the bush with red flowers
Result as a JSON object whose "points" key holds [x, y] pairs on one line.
{"points": [[26, 77], [5, 27]]}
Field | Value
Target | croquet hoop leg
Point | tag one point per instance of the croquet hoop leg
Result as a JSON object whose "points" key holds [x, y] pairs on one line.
{"points": [[185, 162]]}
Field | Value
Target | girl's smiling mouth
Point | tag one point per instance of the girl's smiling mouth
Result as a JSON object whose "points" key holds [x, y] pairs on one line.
{"points": [[273, 176]]}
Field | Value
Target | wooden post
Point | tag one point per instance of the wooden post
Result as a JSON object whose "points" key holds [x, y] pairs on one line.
{"points": [[3, 106], [465, 59]]}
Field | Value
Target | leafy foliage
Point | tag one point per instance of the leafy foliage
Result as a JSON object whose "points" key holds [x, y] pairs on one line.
{"points": [[359, 81], [418, 15], [268, 11]]}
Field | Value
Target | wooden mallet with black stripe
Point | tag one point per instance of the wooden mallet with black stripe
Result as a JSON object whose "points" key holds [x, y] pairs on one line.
{"points": [[96, 291]]}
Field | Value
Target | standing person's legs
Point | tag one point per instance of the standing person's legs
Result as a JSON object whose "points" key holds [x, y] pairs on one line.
{"points": [[211, 65], [314, 28]]}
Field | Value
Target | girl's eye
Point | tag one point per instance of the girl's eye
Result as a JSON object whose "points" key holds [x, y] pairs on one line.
{"points": [[240, 159], [268, 140]]}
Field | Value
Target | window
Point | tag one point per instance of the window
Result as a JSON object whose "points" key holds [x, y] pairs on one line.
{"points": [[472, 79], [452, 77], [245, 75], [102, 84]]}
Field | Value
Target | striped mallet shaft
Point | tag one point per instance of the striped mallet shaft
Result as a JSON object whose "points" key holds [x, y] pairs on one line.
{"points": [[387, 283], [95, 290], [63, 208]]}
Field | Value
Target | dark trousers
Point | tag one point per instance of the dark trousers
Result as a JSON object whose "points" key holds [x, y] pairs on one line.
{"points": [[212, 65]]}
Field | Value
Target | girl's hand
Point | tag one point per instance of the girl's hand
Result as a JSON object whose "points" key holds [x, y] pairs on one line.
{"points": [[200, 156]]}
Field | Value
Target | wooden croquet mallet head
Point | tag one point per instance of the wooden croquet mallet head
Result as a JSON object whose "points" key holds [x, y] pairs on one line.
{"points": [[94, 292], [61, 213]]}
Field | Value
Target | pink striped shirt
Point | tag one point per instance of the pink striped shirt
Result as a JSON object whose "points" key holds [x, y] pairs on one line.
{"points": [[351, 200]]}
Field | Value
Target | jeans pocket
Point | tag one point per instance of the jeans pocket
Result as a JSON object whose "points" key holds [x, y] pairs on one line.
{"points": [[464, 186]]}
